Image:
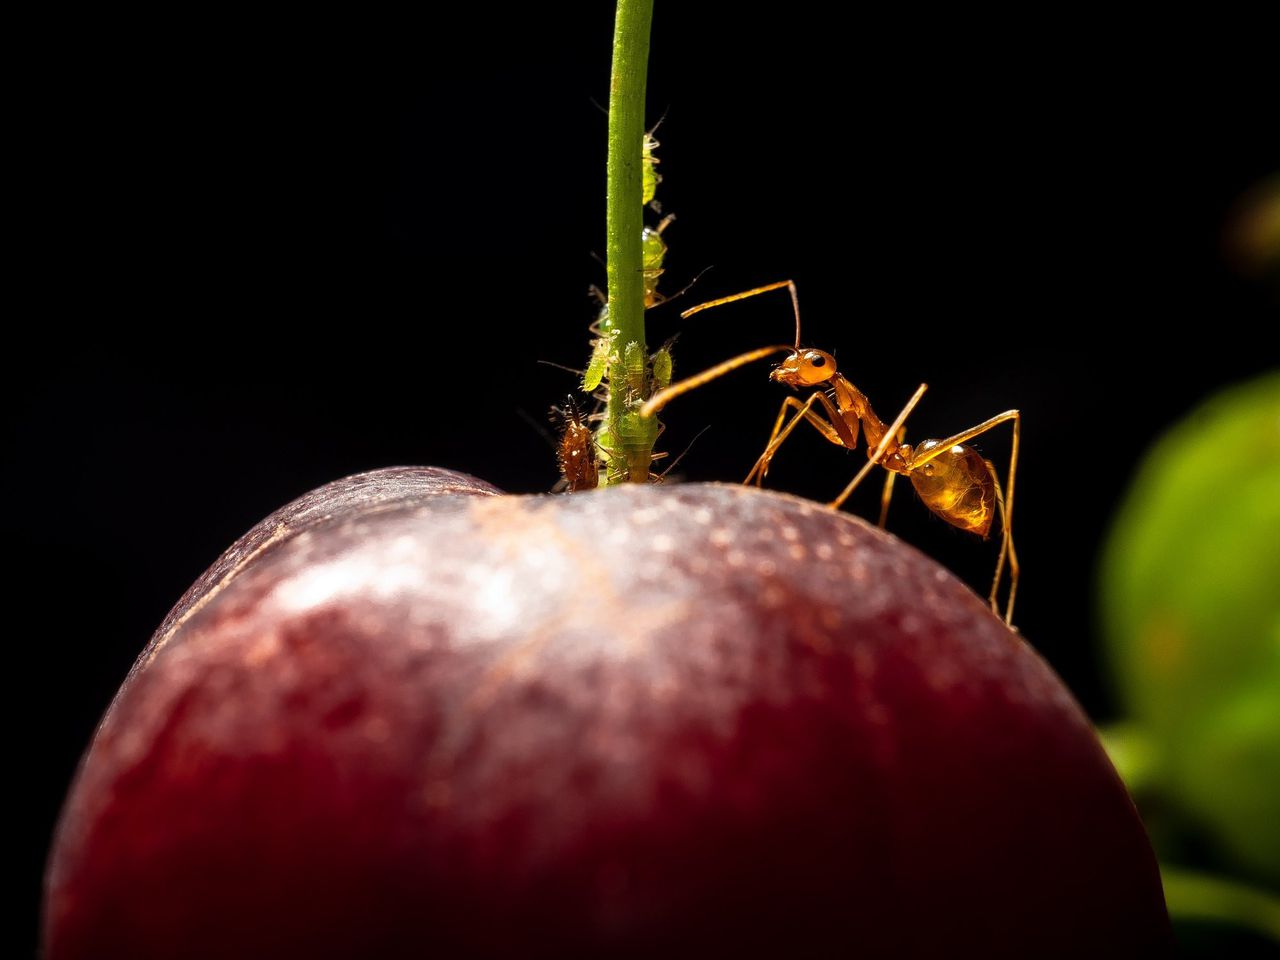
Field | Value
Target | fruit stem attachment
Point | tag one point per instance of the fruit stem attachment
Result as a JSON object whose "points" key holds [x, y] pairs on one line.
{"points": [[624, 220]]}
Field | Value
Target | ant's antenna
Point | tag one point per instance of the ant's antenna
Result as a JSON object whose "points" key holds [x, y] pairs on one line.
{"points": [[754, 292]]}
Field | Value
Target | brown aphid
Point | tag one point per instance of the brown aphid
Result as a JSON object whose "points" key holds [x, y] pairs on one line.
{"points": [[952, 479], [576, 452]]}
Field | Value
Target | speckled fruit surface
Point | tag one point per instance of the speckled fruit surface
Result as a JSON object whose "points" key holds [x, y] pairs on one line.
{"points": [[406, 716]]}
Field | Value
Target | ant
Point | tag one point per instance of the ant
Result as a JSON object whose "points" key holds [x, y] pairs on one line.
{"points": [[952, 479]]}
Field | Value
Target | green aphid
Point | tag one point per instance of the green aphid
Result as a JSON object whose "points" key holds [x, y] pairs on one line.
{"points": [[649, 175], [603, 323], [636, 437], [633, 370], [602, 353], [653, 251], [661, 365]]}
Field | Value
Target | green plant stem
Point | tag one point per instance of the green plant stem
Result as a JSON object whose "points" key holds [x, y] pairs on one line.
{"points": [[623, 216]]}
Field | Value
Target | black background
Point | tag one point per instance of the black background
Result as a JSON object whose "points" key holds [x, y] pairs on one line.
{"points": [[260, 257]]}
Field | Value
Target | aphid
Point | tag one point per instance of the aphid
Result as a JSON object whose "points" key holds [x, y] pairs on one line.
{"points": [[602, 347], [628, 448], [635, 368], [619, 462], [649, 175], [576, 452], [653, 251], [661, 366], [952, 479]]}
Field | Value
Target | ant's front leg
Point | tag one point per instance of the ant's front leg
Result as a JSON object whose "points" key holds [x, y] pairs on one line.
{"points": [[830, 429], [660, 399]]}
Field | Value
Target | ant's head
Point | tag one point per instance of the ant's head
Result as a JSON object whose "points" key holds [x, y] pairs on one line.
{"points": [[805, 368]]}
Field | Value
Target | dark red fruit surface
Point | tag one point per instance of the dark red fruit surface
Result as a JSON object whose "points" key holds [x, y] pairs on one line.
{"points": [[406, 717]]}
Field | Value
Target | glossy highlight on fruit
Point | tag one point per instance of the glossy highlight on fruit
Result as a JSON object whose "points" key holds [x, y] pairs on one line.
{"points": [[405, 716]]}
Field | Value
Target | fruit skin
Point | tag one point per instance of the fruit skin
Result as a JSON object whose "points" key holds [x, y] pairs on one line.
{"points": [[443, 725]]}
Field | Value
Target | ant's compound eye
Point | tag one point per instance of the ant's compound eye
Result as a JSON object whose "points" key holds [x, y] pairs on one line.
{"points": [[816, 360], [928, 469]]}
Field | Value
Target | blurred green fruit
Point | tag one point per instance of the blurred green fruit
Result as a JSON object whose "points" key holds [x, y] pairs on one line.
{"points": [[1191, 609]]}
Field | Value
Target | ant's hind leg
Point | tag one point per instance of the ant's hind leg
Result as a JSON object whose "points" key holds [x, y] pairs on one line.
{"points": [[1004, 537], [1007, 550], [1014, 572], [1014, 569], [1007, 519]]}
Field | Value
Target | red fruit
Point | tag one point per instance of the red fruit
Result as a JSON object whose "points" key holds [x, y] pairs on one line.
{"points": [[394, 720]]}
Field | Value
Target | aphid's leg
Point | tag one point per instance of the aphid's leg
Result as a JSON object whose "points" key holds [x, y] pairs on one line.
{"points": [[663, 397], [661, 298], [753, 292], [875, 455], [846, 438], [964, 437], [561, 366], [887, 494], [674, 463]]}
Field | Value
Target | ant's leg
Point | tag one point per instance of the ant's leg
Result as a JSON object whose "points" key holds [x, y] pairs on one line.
{"points": [[788, 404], [1014, 570], [964, 437], [781, 433], [663, 397], [887, 494], [1004, 539], [874, 456], [1006, 550]]}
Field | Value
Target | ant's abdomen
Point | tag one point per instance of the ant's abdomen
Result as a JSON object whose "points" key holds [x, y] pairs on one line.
{"points": [[956, 485]]}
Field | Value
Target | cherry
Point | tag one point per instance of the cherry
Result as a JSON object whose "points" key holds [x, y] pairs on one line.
{"points": [[407, 716]]}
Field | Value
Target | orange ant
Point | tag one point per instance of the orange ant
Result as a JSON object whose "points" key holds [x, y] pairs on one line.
{"points": [[952, 479]]}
